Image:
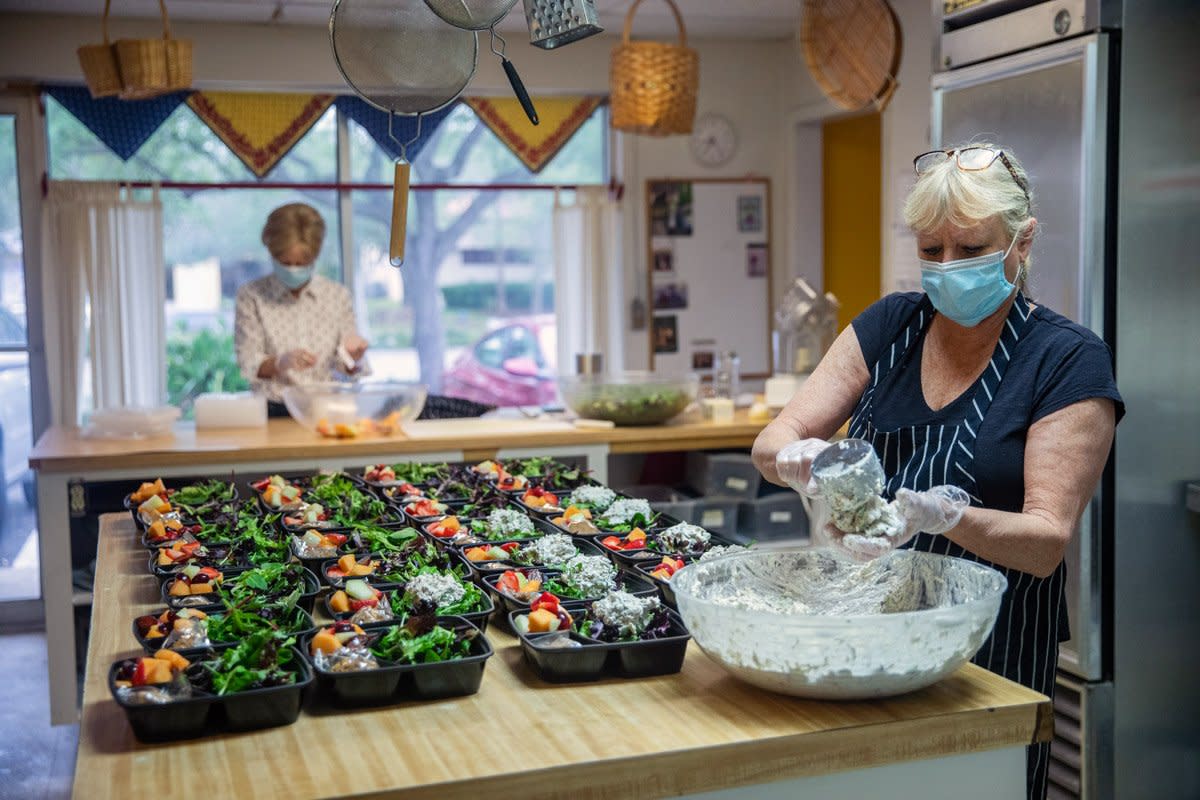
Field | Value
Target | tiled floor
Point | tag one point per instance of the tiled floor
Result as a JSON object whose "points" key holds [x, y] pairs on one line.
{"points": [[37, 761]]}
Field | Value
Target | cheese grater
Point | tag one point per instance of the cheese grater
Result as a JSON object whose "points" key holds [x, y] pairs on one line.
{"points": [[553, 23]]}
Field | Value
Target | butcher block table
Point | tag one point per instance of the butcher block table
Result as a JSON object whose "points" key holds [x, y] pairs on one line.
{"points": [[65, 461], [700, 731]]}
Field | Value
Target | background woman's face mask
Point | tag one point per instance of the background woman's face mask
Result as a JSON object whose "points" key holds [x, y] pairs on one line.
{"points": [[968, 290], [292, 277]]}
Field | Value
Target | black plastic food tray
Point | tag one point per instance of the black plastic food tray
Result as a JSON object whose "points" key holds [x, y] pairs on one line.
{"points": [[314, 565], [208, 714], [596, 660], [453, 506], [152, 646], [393, 683], [664, 587], [132, 507], [634, 558], [477, 618], [307, 598], [541, 528], [166, 573], [482, 568], [392, 517], [456, 559], [634, 584]]}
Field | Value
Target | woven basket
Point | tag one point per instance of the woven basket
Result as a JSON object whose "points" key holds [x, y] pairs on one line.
{"points": [[136, 69], [852, 48], [653, 84]]}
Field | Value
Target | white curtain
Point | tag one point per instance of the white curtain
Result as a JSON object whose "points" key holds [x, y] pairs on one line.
{"points": [[588, 278], [103, 250]]}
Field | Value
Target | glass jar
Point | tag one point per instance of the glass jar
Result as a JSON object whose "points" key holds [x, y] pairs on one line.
{"points": [[726, 375]]}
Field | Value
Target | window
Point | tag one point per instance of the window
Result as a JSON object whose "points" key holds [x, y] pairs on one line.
{"points": [[476, 258]]}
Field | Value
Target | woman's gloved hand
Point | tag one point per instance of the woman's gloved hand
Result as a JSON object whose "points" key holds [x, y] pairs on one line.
{"points": [[294, 360], [355, 345], [794, 464], [935, 511]]}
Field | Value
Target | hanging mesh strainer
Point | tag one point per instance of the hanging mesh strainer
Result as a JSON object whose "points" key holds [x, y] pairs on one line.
{"points": [[479, 15], [403, 59]]}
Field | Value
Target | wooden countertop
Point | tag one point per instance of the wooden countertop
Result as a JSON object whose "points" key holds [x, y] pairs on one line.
{"points": [[520, 737], [65, 450]]}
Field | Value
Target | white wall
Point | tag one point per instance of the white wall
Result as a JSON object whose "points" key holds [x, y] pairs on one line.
{"points": [[905, 133]]}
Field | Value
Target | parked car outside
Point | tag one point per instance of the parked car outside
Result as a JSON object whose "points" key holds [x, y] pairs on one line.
{"points": [[513, 365]]}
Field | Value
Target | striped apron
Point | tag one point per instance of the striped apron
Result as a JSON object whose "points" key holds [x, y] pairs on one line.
{"points": [[1023, 646]]}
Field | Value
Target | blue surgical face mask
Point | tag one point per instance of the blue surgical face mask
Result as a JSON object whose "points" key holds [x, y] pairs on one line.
{"points": [[967, 290], [292, 277]]}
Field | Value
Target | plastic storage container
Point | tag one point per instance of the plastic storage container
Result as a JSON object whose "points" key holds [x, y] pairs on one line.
{"points": [[732, 475], [716, 514], [774, 517]]}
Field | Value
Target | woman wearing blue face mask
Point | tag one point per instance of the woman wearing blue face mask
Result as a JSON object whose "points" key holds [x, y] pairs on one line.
{"points": [[293, 326], [992, 415]]}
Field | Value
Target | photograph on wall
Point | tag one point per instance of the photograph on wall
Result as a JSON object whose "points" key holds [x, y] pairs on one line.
{"points": [[664, 261], [666, 334], [702, 360], [750, 213], [756, 260], [670, 295], [671, 208]]}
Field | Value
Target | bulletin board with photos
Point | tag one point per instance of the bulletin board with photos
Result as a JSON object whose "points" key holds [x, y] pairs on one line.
{"points": [[709, 273]]}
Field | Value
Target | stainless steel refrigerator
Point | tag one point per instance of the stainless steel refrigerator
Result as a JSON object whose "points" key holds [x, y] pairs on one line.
{"points": [[1088, 92]]}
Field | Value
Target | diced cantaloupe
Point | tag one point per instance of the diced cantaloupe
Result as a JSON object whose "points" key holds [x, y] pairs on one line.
{"points": [[200, 588], [346, 563], [157, 530], [173, 524], [154, 633], [179, 589], [362, 569], [324, 641], [541, 621], [339, 602], [156, 671], [159, 487], [173, 658]]}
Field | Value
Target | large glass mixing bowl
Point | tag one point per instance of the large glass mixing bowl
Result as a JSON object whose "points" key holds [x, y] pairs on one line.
{"points": [[349, 410], [629, 398], [813, 623]]}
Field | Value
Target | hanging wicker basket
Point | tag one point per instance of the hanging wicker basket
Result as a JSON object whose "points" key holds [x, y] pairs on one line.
{"points": [[135, 69], [852, 48], [653, 84]]}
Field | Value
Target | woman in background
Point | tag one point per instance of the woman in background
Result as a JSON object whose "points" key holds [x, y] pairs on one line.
{"points": [[293, 326]]}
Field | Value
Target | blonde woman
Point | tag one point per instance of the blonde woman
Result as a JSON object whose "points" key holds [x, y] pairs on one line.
{"points": [[293, 326], [993, 415]]}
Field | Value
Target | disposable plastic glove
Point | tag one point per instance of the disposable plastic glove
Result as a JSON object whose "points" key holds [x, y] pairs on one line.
{"points": [[294, 360], [935, 511], [794, 465]]}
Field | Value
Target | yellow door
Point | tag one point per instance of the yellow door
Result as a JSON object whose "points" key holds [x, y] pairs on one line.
{"points": [[851, 207]]}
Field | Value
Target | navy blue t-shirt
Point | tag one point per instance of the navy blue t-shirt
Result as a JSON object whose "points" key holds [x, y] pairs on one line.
{"points": [[1056, 363]]}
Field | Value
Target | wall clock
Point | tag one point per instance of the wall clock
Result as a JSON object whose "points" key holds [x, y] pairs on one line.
{"points": [[714, 141]]}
